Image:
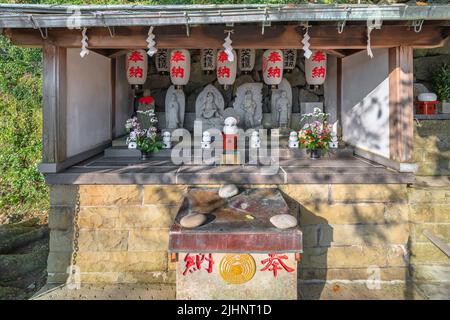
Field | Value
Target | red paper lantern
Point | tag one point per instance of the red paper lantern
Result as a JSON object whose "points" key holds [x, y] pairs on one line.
{"points": [[316, 68], [272, 67], [226, 70], [136, 65], [180, 66]]}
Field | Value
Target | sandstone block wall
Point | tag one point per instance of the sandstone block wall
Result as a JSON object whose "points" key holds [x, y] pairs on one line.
{"points": [[123, 235], [432, 147], [352, 231], [429, 210]]}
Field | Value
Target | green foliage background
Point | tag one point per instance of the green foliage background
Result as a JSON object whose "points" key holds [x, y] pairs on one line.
{"points": [[22, 189]]}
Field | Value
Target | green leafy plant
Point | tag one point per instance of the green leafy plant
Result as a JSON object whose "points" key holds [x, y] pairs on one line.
{"points": [[441, 82], [149, 143]]}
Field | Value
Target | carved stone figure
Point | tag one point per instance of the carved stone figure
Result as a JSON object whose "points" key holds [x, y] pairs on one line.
{"points": [[172, 111], [209, 108], [248, 105], [175, 106], [281, 105]]}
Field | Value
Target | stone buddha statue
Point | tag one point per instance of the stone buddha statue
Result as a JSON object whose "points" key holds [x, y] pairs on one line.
{"points": [[209, 107]]}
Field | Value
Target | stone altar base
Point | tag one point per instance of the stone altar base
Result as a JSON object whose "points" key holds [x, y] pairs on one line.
{"points": [[237, 253], [199, 284]]}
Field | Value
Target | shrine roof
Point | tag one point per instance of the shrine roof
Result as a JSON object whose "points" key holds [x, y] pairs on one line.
{"points": [[54, 16]]}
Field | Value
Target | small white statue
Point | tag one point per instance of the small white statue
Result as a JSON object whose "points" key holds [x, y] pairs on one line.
{"points": [[334, 143], [230, 126], [131, 140], [167, 144], [293, 140], [255, 141], [206, 140]]}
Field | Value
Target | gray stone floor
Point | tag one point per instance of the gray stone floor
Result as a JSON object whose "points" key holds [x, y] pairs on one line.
{"points": [[307, 291]]}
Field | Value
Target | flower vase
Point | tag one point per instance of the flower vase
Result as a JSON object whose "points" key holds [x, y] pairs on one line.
{"points": [[145, 155], [314, 154]]}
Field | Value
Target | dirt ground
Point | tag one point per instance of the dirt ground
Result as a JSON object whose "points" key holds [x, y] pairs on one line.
{"points": [[24, 287]]}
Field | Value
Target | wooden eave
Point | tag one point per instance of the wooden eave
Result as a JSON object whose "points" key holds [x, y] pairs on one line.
{"points": [[282, 36]]}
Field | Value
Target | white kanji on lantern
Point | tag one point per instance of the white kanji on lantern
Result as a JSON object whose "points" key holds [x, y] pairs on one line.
{"points": [[246, 59], [316, 68], [272, 67], [180, 66], [162, 60], [136, 65], [289, 59], [208, 59], [226, 69]]}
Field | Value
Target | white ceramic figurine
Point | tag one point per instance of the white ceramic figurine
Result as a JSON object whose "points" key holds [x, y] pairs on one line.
{"points": [[293, 140]]}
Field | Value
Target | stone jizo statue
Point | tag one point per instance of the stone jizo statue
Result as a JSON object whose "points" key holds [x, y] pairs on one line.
{"points": [[282, 106], [172, 112]]}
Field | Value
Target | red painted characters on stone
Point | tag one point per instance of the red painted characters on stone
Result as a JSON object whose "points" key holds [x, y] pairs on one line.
{"points": [[177, 72], [194, 263], [136, 56], [318, 72], [319, 56], [275, 262], [178, 56], [136, 72]]}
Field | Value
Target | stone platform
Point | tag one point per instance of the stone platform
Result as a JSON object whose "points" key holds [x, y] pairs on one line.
{"points": [[237, 253]]}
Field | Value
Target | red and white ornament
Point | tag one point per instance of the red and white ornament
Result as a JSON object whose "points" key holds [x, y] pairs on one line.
{"points": [[180, 66], [316, 68], [272, 67], [226, 69], [136, 64]]}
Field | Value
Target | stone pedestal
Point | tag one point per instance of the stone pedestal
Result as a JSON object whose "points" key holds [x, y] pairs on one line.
{"points": [[237, 253]]}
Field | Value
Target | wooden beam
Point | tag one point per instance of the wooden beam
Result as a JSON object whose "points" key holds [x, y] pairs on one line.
{"points": [[401, 103], [54, 103], [244, 36], [336, 53]]}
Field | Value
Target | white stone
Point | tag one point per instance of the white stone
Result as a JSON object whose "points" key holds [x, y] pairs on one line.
{"points": [[228, 191], [283, 221], [193, 220]]}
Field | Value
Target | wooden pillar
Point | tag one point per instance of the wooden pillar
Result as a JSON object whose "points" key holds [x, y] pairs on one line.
{"points": [[113, 98], [401, 103], [54, 105], [339, 94]]}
